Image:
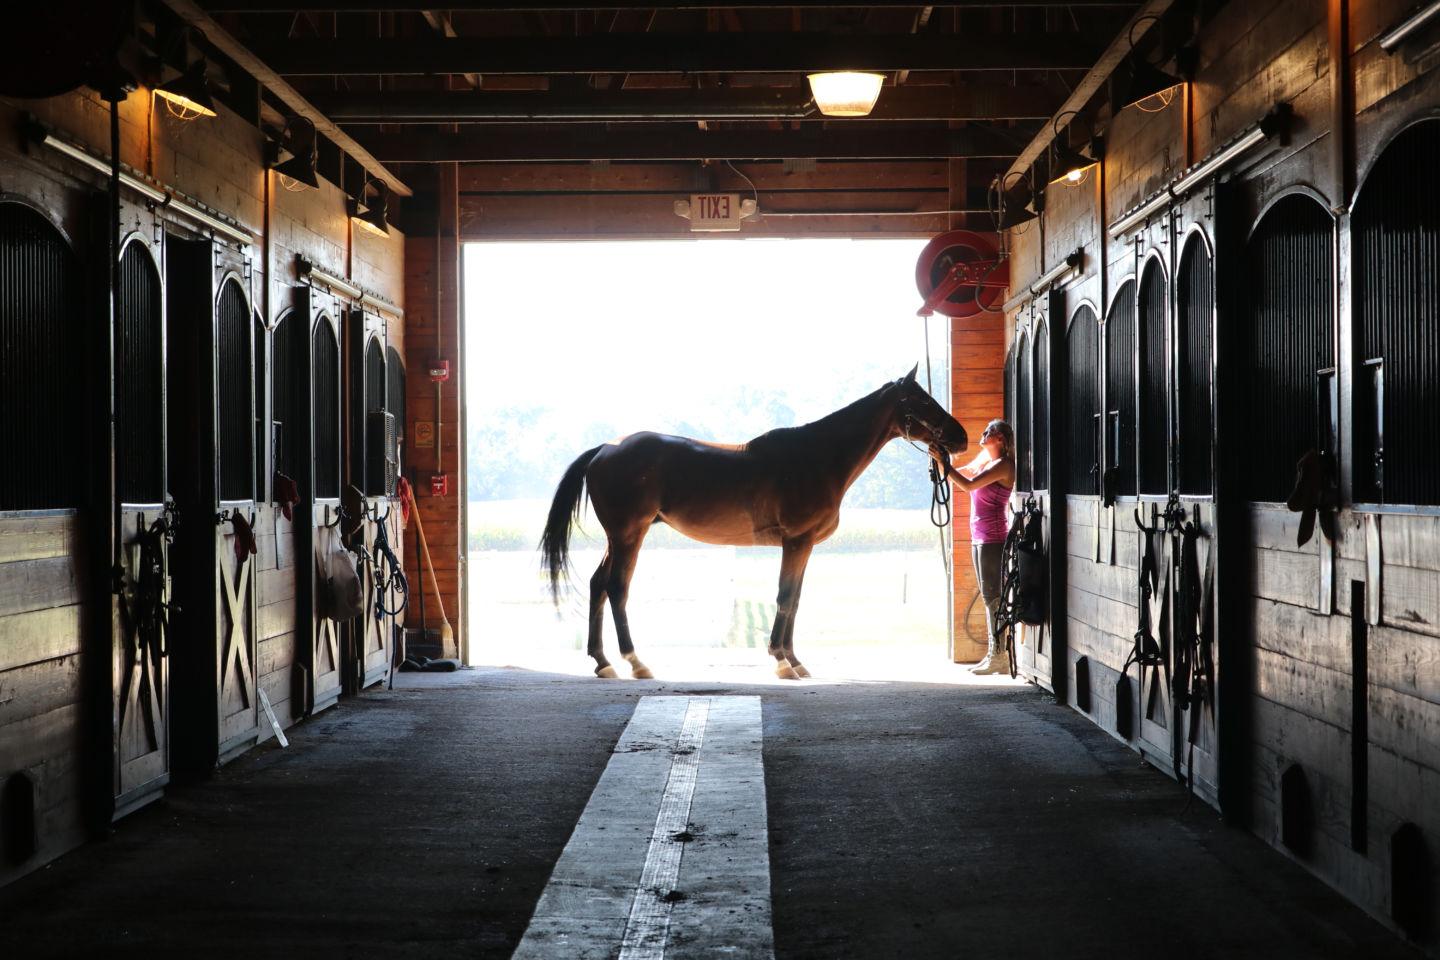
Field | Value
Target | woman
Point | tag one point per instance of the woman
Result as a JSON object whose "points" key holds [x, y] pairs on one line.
{"points": [[988, 479]]}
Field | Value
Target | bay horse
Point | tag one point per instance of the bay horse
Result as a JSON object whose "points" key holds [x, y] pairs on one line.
{"points": [[781, 489]]}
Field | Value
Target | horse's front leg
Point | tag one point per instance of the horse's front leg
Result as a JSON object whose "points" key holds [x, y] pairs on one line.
{"points": [[794, 557], [622, 569]]}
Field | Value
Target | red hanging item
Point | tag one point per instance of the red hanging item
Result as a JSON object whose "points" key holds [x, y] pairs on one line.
{"points": [[402, 490], [287, 494], [244, 537]]}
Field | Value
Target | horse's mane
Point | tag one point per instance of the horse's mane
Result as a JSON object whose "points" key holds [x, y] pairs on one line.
{"points": [[789, 440]]}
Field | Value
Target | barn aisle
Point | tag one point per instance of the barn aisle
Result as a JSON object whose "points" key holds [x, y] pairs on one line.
{"points": [[905, 819]]}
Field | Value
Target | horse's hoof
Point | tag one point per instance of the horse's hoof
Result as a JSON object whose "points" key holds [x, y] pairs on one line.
{"points": [[639, 671], [606, 672], [784, 671], [800, 670]]}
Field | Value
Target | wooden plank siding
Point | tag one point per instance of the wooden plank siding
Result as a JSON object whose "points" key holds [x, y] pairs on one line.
{"points": [[1295, 676], [44, 561]]}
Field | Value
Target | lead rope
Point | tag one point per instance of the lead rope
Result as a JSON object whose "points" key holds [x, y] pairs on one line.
{"points": [[939, 485]]}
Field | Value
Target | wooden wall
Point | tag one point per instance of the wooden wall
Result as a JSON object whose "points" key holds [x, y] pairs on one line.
{"points": [[1349, 697], [55, 631], [434, 331]]}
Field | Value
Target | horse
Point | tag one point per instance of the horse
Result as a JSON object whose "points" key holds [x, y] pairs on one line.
{"points": [[782, 489]]}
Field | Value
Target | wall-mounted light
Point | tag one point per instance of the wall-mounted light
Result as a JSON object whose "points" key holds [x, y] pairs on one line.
{"points": [[1070, 166], [1015, 204], [188, 95], [369, 214], [845, 93], [1145, 86], [298, 140]]}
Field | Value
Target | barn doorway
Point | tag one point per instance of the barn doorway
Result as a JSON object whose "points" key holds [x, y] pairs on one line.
{"points": [[574, 344]]}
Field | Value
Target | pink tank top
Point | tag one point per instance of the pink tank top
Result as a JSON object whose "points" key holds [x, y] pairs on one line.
{"points": [[987, 513]]}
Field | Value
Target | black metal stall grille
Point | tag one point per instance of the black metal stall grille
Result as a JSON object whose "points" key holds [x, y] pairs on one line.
{"points": [[1288, 294], [234, 417], [395, 369], [1082, 346], [41, 367], [1010, 374], [1120, 389], [325, 381], [287, 386], [1040, 408], [1024, 444], [140, 418], [374, 404], [1195, 312], [1396, 249], [262, 346], [1153, 453]]}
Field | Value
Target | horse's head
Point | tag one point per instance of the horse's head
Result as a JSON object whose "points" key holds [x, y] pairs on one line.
{"points": [[920, 418]]}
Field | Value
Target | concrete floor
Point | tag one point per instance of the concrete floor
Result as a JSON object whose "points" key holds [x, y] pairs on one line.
{"points": [[908, 819]]}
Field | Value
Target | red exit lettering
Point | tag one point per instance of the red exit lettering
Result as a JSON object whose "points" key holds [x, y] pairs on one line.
{"points": [[715, 207]]}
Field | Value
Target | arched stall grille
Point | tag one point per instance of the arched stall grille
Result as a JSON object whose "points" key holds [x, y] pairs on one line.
{"points": [[1290, 353], [325, 381], [1010, 374], [40, 313], [140, 425], [1120, 391], [233, 394], [379, 425], [1153, 443], [1040, 407], [262, 425], [1082, 346], [287, 399], [1195, 313], [1024, 442], [1396, 248], [395, 396]]}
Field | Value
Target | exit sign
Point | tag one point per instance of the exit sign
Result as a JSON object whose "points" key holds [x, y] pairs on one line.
{"points": [[715, 211]]}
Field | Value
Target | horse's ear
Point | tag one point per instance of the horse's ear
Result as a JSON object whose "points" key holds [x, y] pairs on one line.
{"points": [[910, 377]]}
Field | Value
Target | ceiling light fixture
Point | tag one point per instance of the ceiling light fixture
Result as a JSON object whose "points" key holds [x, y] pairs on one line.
{"points": [[372, 217], [845, 93], [188, 95]]}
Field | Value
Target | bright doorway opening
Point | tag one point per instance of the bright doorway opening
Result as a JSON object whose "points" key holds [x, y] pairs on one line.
{"points": [[574, 344]]}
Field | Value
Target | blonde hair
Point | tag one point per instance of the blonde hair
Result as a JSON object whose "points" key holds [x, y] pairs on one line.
{"points": [[1006, 433]]}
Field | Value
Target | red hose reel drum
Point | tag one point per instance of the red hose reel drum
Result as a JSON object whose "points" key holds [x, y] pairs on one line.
{"points": [[961, 274]]}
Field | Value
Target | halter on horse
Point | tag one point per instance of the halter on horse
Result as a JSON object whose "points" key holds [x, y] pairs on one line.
{"points": [[782, 489]]}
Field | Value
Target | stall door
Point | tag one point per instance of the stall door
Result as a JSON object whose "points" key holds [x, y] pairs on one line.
{"points": [[140, 669], [373, 466], [324, 517], [238, 708], [216, 703]]}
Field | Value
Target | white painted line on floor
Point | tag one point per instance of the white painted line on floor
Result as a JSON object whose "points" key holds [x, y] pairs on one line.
{"points": [[631, 883], [649, 925]]}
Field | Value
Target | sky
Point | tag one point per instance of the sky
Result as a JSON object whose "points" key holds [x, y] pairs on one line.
{"points": [[620, 328]]}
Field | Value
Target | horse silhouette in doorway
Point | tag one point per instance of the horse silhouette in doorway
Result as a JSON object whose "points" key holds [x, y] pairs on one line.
{"points": [[782, 489]]}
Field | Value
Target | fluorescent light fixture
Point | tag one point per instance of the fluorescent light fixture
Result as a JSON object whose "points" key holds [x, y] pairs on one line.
{"points": [[846, 93]]}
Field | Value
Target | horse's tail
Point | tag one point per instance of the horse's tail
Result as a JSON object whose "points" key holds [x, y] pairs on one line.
{"points": [[555, 542]]}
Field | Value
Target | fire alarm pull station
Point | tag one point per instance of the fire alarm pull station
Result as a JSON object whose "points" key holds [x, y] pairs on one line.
{"points": [[439, 370], [439, 484]]}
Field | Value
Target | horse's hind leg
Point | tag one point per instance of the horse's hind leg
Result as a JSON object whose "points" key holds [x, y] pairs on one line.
{"points": [[623, 555], [599, 580], [793, 560]]}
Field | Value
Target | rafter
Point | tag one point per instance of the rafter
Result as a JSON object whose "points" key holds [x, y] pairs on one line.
{"points": [[657, 53], [977, 101], [683, 141]]}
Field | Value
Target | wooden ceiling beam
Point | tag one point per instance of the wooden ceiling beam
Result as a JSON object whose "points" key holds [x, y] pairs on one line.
{"points": [[979, 101], [503, 6], [689, 54], [683, 141]]}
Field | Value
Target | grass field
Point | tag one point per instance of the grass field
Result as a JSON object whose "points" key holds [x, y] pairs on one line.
{"points": [[881, 583]]}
